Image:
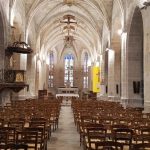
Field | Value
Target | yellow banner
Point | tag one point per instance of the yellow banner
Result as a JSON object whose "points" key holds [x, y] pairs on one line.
{"points": [[96, 79]]}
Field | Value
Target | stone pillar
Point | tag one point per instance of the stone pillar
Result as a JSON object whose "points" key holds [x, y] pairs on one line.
{"points": [[147, 71], [78, 77], [124, 77], [116, 46], [111, 73], [102, 75], [31, 74]]}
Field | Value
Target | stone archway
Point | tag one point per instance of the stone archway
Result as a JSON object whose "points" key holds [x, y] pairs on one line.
{"points": [[135, 59]]}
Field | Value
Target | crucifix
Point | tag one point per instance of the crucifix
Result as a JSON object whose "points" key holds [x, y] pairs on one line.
{"points": [[68, 19]]}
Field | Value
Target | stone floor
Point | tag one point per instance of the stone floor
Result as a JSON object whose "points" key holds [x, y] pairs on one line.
{"points": [[66, 137]]}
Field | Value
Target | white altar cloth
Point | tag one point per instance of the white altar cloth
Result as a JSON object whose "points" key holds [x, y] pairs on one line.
{"points": [[67, 95]]}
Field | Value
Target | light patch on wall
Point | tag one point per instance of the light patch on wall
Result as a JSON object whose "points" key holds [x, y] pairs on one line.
{"points": [[111, 55], [12, 18], [43, 57], [23, 60], [97, 64], [89, 63], [124, 38], [124, 35], [119, 31], [27, 35], [47, 60], [39, 65]]}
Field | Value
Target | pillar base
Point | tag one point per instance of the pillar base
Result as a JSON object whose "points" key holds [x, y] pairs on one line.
{"points": [[128, 102]]}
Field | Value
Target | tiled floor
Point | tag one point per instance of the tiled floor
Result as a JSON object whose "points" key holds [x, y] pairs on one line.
{"points": [[66, 137]]}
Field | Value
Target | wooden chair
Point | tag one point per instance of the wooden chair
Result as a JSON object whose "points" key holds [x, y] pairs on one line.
{"points": [[42, 141], [19, 125], [83, 132], [141, 146], [3, 138], [124, 135], [108, 145], [29, 138], [17, 146], [145, 134], [94, 135], [11, 134], [40, 124], [1, 122], [111, 134]]}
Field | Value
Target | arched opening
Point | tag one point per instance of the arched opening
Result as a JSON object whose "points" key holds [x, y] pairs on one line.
{"points": [[135, 59]]}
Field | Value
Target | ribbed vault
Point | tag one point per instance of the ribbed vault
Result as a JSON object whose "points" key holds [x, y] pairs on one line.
{"points": [[90, 15]]}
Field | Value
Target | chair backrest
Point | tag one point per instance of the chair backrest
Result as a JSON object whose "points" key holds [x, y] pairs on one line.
{"points": [[1, 122], [145, 134], [95, 134], [41, 135], [3, 137], [28, 137], [17, 146], [123, 135], [16, 124], [11, 134], [141, 146], [108, 145]]}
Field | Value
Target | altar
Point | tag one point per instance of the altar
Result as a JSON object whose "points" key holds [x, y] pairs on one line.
{"points": [[67, 92]]}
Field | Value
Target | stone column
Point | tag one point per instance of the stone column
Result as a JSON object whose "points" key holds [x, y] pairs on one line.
{"points": [[147, 72], [102, 75], [116, 46], [111, 73], [31, 74], [124, 77]]}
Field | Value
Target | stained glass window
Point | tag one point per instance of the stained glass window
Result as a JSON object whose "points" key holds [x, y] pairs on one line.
{"points": [[51, 70], [68, 77], [85, 71]]}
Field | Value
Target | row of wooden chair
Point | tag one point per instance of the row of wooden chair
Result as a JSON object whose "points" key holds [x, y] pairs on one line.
{"points": [[100, 121], [28, 123]]}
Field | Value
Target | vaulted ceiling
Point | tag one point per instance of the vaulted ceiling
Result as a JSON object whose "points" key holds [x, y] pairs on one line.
{"points": [[47, 26], [90, 15]]}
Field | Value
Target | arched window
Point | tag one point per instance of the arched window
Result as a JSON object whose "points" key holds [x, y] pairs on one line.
{"points": [[51, 70], [85, 71], [68, 77]]}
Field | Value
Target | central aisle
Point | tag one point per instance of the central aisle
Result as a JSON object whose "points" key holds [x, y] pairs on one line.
{"points": [[66, 136]]}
